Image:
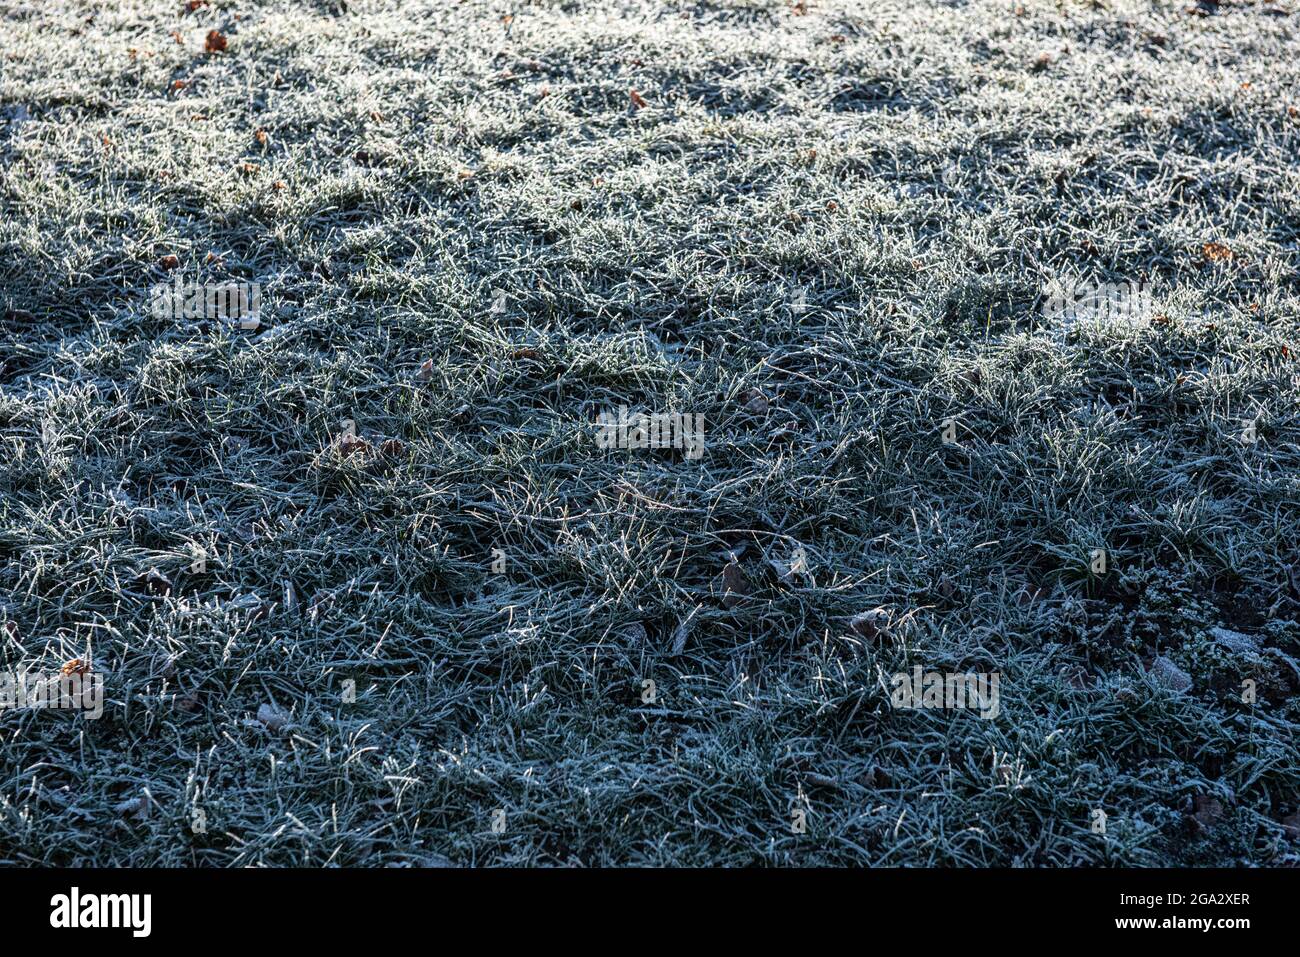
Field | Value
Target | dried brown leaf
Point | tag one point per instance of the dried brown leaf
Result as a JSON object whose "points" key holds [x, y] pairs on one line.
{"points": [[77, 666], [870, 624]]}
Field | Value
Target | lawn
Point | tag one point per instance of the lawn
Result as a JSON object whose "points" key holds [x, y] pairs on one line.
{"points": [[386, 574]]}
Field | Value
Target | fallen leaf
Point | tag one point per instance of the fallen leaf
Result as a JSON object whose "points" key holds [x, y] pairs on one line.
{"points": [[215, 43], [138, 806], [261, 136], [77, 666], [272, 717], [1217, 252], [734, 585], [425, 372], [155, 582], [797, 565], [1235, 641], [1208, 810], [1169, 675], [682, 632], [1291, 824], [392, 447], [870, 624], [169, 262], [250, 603], [638, 100], [350, 442]]}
